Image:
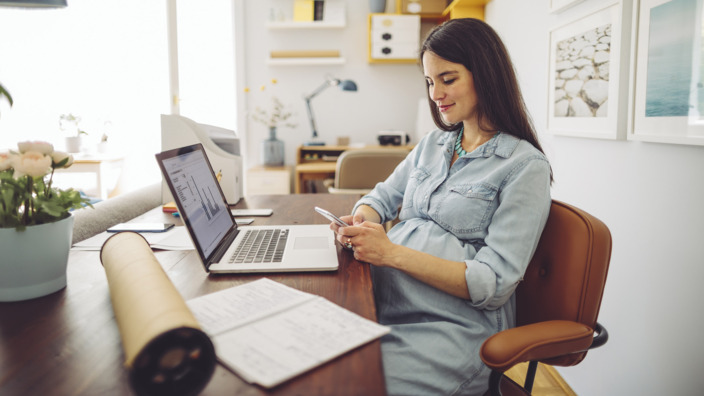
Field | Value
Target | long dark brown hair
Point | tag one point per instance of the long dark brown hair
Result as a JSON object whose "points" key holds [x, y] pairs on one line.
{"points": [[474, 44]]}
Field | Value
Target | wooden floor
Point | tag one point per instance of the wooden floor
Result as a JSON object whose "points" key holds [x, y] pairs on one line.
{"points": [[548, 381]]}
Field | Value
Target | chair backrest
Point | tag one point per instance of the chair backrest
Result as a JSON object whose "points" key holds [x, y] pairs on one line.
{"points": [[566, 277], [364, 168]]}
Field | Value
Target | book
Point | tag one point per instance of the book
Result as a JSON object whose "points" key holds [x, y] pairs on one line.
{"points": [[303, 10], [169, 207], [318, 10], [268, 333]]}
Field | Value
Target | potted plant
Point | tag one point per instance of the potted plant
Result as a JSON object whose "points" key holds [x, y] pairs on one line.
{"points": [[70, 124], [36, 225]]}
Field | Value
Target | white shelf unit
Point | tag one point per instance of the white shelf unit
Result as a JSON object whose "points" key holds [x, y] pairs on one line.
{"points": [[337, 20]]}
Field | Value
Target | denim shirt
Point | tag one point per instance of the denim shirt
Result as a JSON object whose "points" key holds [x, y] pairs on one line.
{"points": [[488, 209]]}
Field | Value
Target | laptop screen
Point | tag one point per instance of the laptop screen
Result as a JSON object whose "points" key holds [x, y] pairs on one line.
{"points": [[202, 204]]}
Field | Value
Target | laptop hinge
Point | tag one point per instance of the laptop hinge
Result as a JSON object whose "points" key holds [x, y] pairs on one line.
{"points": [[224, 245]]}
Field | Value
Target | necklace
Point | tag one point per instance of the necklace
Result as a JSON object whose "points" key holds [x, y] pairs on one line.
{"points": [[458, 144]]}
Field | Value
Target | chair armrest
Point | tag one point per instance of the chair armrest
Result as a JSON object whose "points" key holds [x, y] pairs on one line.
{"points": [[534, 342]]}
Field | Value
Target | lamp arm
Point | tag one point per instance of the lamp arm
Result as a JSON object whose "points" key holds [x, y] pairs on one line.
{"points": [[310, 116], [318, 90]]}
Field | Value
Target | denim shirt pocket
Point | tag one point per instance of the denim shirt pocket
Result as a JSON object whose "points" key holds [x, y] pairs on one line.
{"points": [[418, 175], [467, 208]]}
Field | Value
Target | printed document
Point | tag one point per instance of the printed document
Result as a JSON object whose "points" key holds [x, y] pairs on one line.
{"points": [[267, 332]]}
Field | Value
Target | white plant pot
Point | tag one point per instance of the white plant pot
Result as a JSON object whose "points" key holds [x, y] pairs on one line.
{"points": [[73, 144], [34, 261]]}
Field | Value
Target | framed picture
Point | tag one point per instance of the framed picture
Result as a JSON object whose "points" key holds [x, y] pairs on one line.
{"points": [[588, 77], [560, 5], [666, 73]]}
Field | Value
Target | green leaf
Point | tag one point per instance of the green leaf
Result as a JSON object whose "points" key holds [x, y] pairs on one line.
{"points": [[5, 93]]}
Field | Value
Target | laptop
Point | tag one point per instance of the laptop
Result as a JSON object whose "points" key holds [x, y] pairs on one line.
{"points": [[224, 247]]}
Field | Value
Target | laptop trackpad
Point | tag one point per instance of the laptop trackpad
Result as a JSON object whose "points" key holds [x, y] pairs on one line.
{"points": [[311, 242]]}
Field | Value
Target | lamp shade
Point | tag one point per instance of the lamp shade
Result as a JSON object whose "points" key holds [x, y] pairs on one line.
{"points": [[34, 3], [348, 85]]}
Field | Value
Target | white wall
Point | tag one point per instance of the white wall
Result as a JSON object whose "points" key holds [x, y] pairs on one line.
{"points": [[387, 95], [650, 195]]}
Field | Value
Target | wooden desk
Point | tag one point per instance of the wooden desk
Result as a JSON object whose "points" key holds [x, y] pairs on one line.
{"points": [[68, 343], [315, 163]]}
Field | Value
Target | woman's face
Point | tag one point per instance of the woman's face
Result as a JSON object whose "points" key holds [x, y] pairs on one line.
{"points": [[451, 87]]}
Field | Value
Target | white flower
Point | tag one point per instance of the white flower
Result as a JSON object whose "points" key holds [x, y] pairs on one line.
{"points": [[58, 156], [39, 146], [5, 161], [32, 163], [30, 199]]}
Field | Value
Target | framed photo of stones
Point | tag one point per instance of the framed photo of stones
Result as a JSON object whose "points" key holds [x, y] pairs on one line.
{"points": [[560, 5], [588, 80], [667, 72]]}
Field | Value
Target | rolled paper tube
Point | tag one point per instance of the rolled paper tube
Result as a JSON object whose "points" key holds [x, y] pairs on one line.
{"points": [[166, 352]]}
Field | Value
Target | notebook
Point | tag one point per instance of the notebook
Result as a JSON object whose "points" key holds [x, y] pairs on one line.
{"points": [[224, 247]]}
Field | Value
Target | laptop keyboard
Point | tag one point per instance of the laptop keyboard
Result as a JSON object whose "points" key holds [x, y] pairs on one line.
{"points": [[261, 246]]}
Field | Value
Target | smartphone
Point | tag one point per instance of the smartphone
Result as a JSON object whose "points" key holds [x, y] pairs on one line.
{"points": [[331, 217], [141, 227]]}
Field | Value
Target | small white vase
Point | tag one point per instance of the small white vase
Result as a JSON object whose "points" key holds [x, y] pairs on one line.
{"points": [[33, 262]]}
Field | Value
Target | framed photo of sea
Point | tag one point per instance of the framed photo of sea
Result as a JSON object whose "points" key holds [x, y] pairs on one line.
{"points": [[588, 78], [667, 72]]}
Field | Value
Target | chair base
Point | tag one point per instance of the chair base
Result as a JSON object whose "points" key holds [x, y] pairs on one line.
{"points": [[507, 387]]}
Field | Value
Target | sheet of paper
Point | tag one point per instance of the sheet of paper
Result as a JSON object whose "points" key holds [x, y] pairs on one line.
{"points": [[174, 239], [268, 332], [277, 348], [233, 307]]}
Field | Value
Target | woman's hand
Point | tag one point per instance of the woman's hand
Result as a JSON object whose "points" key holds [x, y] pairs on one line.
{"points": [[369, 242], [362, 214]]}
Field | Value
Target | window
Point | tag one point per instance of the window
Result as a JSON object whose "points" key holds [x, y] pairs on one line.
{"points": [[108, 63]]}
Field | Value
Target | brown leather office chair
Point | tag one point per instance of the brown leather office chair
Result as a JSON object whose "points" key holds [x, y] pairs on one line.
{"points": [[359, 170], [557, 302]]}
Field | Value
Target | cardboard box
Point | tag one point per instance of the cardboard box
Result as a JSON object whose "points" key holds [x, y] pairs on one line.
{"points": [[423, 6]]}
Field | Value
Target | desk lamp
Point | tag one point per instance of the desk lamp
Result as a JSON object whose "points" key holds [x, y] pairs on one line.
{"points": [[345, 85]]}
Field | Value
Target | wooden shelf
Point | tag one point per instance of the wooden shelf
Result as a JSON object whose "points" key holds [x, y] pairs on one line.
{"points": [[465, 9], [456, 9], [306, 25], [305, 61]]}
